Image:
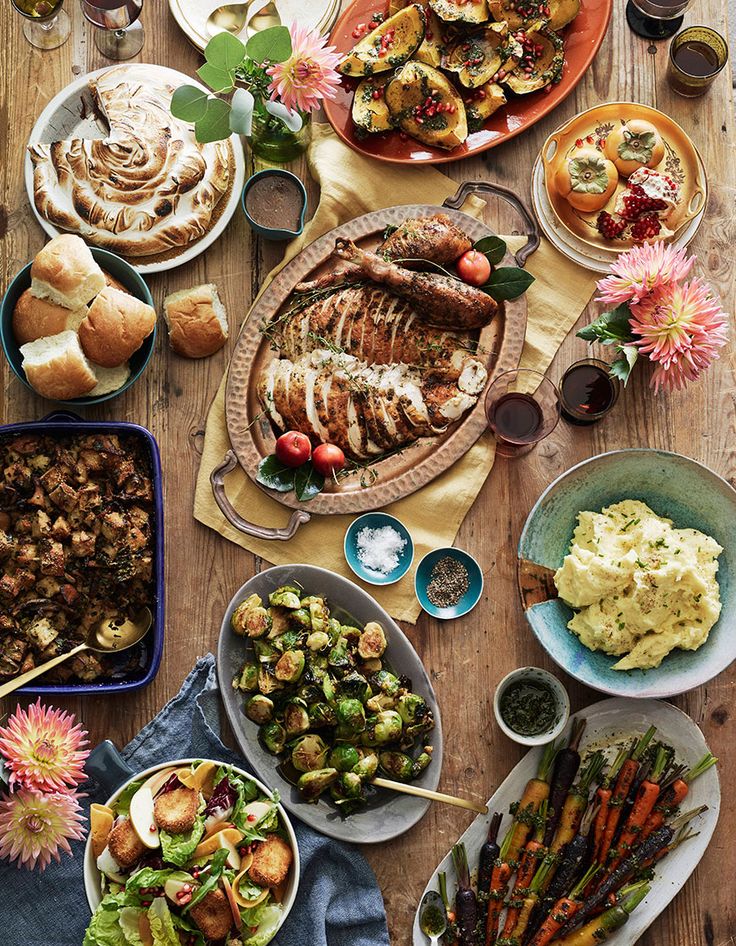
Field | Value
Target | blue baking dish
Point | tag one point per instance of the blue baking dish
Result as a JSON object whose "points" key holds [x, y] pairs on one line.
{"points": [[64, 423]]}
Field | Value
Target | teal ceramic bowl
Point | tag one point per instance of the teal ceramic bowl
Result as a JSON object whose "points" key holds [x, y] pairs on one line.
{"points": [[468, 600], [120, 270], [676, 487], [377, 520], [274, 233]]}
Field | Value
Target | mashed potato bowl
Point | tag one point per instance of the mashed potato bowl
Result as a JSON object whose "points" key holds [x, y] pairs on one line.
{"points": [[675, 487]]}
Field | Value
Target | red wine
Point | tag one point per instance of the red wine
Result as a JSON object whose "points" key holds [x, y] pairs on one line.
{"points": [[517, 418], [696, 58], [112, 14], [588, 391]]}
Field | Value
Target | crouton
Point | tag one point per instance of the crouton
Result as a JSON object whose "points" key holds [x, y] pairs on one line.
{"points": [[213, 915], [124, 844], [176, 811], [271, 862]]}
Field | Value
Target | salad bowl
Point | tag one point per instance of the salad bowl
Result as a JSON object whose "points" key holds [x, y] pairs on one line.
{"points": [[107, 766], [674, 486]]}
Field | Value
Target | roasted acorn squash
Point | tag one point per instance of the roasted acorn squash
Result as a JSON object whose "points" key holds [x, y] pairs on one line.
{"points": [[518, 13], [480, 108], [547, 68], [408, 91], [472, 11], [369, 56], [433, 47], [370, 113], [476, 59]]}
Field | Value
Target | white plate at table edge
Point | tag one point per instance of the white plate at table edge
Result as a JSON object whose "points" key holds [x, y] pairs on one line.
{"points": [[606, 719], [577, 250], [71, 93], [396, 812]]}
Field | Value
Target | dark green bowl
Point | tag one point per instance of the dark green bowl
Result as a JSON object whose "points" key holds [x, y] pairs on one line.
{"points": [[120, 270]]}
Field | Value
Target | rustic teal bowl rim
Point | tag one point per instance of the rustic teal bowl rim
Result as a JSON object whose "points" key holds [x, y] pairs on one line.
{"points": [[274, 233], [116, 266], [675, 486]]}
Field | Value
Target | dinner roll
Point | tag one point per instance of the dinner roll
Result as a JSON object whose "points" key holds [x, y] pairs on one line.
{"points": [[66, 273], [37, 318], [109, 379], [117, 324], [197, 321], [112, 281], [56, 367]]}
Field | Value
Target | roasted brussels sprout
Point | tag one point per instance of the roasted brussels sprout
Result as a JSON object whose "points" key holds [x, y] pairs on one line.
{"points": [[290, 666], [412, 708], [351, 715], [372, 666], [273, 737], [296, 717], [301, 618], [318, 612], [372, 641], [279, 621], [267, 682], [350, 785], [353, 685], [312, 784], [321, 715], [382, 728], [248, 679], [287, 596], [259, 709], [318, 640], [309, 692], [265, 652], [386, 682], [421, 762], [380, 702], [344, 757], [250, 618], [396, 765], [309, 753], [338, 656], [367, 766]]}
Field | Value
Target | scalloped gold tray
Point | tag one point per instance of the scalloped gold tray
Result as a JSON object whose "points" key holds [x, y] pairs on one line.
{"points": [[681, 162]]}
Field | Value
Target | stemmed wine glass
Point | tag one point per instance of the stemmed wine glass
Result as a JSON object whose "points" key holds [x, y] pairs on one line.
{"points": [[522, 408], [46, 25], [120, 35], [656, 19]]}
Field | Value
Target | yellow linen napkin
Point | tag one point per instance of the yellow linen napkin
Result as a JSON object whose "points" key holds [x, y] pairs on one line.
{"points": [[352, 184]]}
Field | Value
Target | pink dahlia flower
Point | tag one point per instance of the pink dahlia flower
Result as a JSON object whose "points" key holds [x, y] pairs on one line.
{"points": [[641, 270], [36, 828], [308, 75], [681, 328], [44, 749]]}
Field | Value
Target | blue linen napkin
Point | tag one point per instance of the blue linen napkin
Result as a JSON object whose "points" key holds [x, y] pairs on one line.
{"points": [[338, 903]]}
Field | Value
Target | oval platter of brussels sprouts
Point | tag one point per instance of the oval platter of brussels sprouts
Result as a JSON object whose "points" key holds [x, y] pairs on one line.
{"points": [[324, 692]]}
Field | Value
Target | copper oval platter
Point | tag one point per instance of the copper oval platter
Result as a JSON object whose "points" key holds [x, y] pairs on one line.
{"points": [[395, 476]]}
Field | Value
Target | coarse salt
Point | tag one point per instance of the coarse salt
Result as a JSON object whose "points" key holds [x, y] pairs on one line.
{"points": [[379, 549]]}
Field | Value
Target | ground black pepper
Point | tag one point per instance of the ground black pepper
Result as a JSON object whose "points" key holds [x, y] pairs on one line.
{"points": [[448, 582]]}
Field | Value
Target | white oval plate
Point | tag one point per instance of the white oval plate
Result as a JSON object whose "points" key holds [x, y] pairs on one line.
{"points": [[610, 721], [70, 114]]}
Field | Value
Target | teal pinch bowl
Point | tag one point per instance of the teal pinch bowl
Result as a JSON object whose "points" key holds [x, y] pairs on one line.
{"points": [[120, 270], [468, 600], [377, 520], [270, 233], [675, 487]]}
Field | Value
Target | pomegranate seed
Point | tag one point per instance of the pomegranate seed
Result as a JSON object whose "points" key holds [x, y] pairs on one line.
{"points": [[377, 93]]}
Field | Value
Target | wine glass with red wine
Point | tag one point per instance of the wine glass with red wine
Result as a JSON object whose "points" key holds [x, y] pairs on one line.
{"points": [[46, 25], [119, 35], [522, 408], [656, 19]]}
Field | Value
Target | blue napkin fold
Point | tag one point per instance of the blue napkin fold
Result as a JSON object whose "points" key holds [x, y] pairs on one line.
{"points": [[338, 903]]}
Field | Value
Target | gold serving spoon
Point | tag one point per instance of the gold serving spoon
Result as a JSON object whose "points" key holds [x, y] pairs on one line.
{"points": [[234, 17], [409, 789], [110, 635]]}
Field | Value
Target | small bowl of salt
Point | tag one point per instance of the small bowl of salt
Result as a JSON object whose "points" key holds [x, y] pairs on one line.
{"points": [[378, 548]]}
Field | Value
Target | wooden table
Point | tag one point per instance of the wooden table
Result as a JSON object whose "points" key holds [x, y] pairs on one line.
{"points": [[466, 659]]}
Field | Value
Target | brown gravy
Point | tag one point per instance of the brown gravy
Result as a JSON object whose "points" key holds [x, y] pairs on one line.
{"points": [[275, 202]]}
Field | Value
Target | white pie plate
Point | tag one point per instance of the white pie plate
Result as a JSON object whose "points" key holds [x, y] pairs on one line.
{"points": [[597, 259], [70, 114], [609, 722]]}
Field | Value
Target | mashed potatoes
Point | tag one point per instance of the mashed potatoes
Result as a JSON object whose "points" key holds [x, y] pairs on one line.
{"points": [[640, 587]]}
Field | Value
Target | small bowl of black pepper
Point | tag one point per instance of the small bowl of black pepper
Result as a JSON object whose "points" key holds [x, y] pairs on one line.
{"points": [[531, 706], [448, 583]]}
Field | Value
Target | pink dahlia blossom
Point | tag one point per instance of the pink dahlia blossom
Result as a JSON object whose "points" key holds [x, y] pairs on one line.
{"points": [[44, 749], [680, 327], [308, 75], [36, 828], [641, 270]]}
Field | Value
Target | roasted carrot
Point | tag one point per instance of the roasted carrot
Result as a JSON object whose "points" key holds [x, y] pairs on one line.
{"points": [[528, 864], [599, 929], [525, 811], [646, 798], [567, 763], [575, 804], [486, 859], [527, 906], [502, 870], [675, 795], [466, 904], [603, 798], [449, 910], [563, 910], [683, 834], [626, 776]]}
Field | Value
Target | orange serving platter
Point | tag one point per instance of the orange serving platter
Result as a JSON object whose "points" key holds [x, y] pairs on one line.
{"points": [[583, 38]]}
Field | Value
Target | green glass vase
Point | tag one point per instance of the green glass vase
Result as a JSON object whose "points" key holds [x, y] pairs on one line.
{"points": [[271, 140]]}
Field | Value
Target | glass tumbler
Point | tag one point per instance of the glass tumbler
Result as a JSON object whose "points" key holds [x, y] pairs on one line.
{"points": [[522, 407]]}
